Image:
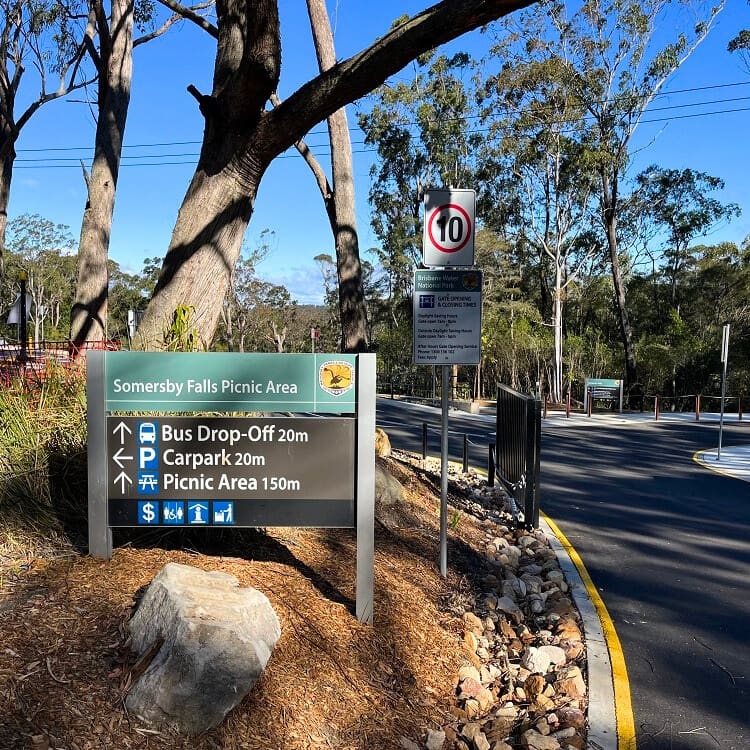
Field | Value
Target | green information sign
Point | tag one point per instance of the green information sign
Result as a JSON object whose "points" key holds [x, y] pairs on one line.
{"points": [[199, 381]]}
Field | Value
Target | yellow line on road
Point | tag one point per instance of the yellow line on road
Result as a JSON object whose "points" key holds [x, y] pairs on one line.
{"points": [[621, 685]]}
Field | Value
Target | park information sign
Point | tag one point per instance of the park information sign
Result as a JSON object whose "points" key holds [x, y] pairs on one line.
{"points": [[447, 317], [219, 469], [608, 389]]}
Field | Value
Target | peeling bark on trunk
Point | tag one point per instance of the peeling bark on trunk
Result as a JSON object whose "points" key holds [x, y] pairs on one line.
{"points": [[341, 205], [6, 174], [89, 312], [241, 138]]}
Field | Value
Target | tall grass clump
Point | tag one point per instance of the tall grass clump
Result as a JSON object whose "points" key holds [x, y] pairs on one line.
{"points": [[43, 491]]}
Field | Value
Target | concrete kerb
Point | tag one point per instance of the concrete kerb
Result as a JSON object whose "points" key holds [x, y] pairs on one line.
{"points": [[602, 730]]}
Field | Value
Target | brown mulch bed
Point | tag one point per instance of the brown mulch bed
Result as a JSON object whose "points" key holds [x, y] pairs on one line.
{"points": [[331, 681]]}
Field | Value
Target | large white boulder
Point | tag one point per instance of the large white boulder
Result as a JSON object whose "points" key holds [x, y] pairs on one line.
{"points": [[216, 639]]}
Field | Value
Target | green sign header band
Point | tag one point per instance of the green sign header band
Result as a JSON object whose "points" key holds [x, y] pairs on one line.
{"points": [[230, 382]]}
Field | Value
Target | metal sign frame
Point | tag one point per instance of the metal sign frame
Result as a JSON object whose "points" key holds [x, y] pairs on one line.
{"points": [[162, 393]]}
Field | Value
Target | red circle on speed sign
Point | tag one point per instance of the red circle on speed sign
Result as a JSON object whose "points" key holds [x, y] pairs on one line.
{"points": [[449, 228]]}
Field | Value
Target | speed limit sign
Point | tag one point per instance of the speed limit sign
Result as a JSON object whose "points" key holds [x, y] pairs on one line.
{"points": [[448, 228]]}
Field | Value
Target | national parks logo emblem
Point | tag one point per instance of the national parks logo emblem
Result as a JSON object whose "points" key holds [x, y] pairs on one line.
{"points": [[336, 377]]}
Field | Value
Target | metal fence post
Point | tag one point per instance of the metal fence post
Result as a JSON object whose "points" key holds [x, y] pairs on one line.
{"points": [[698, 408], [466, 454], [491, 465], [424, 441], [533, 436]]}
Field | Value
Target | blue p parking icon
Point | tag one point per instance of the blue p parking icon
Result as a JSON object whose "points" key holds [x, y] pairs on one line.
{"points": [[148, 458]]}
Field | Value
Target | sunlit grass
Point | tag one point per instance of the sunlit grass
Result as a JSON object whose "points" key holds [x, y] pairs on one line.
{"points": [[42, 461]]}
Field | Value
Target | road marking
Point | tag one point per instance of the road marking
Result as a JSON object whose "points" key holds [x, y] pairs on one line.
{"points": [[625, 722]]}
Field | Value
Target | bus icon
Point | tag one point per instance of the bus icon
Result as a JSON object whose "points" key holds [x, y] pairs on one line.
{"points": [[147, 433]]}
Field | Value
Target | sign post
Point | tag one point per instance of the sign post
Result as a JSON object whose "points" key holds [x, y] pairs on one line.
{"points": [[447, 306], [724, 358], [159, 470]]}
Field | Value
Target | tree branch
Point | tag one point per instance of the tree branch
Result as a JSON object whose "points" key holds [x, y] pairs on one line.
{"points": [[360, 74], [189, 13], [320, 176]]}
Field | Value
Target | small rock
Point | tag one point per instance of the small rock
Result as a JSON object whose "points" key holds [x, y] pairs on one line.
{"points": [[469, 688], [536, 660], [533, 740], [510, 608], [556, 654], [534, 685], [571, 717], [473, 623], [382, 443], [407, 744], [570, 682], [470, 729], [471, 641], [468, 671], [435, 739]]}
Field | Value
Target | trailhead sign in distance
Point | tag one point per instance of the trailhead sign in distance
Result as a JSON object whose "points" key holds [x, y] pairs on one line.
{"points": [[447, 317]]}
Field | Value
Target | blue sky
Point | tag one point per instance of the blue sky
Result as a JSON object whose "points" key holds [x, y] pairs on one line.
{"points": [[164, 120]]}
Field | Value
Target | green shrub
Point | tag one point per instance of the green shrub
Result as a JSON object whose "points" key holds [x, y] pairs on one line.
{"points": [[43, 456]]}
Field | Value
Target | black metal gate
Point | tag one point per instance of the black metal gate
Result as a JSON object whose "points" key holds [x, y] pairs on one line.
{"points": [[517, 448]]}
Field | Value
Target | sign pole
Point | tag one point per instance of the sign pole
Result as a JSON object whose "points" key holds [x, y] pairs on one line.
{"points": [[100, 534], [724, 357], [444, 473], [366, 372]]}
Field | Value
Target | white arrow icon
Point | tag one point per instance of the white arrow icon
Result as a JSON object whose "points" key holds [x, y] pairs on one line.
{"points": [[122, 477], [122, 428], [118, 458]]}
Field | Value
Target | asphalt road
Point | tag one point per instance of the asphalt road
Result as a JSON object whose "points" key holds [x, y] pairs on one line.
{"points": [[668, 545], [666, 542]]}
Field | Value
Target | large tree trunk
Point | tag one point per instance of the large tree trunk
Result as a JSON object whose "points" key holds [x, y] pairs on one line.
{"points": [[205, 245], [6, 174], [341, 205], [609, 193], [242, 137], [89, 313], [557, 323]]}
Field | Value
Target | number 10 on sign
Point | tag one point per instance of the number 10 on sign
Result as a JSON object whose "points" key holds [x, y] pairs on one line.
{"points": [[449, 228]]}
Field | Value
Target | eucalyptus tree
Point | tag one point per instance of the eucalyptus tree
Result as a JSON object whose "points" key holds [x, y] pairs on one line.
{"points": [[242, 137], [513, 334], [620, 65], [615, 66], [678, 203], [420, 129], [741, 44], [40, 36], [339, 198], [110, 46], [534, 163], [43, 250]]}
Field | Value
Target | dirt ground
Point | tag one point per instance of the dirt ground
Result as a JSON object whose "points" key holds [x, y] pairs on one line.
{"points": [[330, 683]]}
